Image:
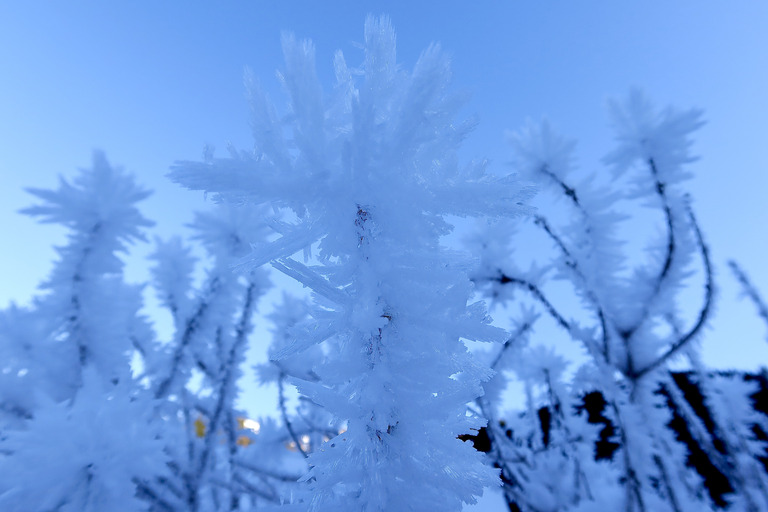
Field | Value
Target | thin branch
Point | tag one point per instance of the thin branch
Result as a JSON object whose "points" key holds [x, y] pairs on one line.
{"points": [[234, 500], [145, 492], [284, 414], [567, 190], [511, 482], [190, 328], [213, 424], [661, 191], [521, 331], [750, 290], [226, 375], [703, 313], [573, 265], [227, 372], [660, 188], [165, 482], [695, 425], [537, 293], [667, 484], [634, 487]]}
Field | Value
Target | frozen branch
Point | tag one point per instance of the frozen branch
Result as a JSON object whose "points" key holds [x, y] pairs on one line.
{"points": [[539, 296], [750, 290], [572, 264], [284, 414], [703, 313], [190, 329], [519, 333]]}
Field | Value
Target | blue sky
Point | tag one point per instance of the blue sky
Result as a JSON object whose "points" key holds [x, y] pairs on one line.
{"points": [[153, 82]]}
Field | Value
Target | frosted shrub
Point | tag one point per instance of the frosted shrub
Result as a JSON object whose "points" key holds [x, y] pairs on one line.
{"points": [[633, 331]]}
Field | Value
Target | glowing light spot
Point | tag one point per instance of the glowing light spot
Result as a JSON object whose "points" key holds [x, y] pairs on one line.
{"points": [[200, 427], [249, 424]]}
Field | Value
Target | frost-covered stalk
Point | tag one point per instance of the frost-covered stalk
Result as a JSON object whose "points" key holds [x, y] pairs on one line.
{"points": [[636, 331], [545, 454], [87, 435], [90, 310], [731, 446], [750, 291], [370, 175], [210, 339], [311, 425]]}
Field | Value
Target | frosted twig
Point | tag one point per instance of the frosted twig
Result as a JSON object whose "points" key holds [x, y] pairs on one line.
{"points": [[227, 372], [539, 295], [521, 331], [284, 414], [190, 328], [574, 266], [660, 188], [750, 290], [144, 491], [703, 313]]}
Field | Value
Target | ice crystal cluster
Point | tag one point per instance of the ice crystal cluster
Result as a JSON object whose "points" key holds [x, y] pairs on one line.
{"points": [[369, 172]]}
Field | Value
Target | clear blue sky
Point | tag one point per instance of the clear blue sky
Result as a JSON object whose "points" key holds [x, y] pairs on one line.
{"points": [[152, 82]]}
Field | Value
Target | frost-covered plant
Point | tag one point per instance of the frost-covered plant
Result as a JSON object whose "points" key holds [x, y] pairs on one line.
{"points": [[636, 329], [87, 302], [362, 179], [207, 352], [79, 431], [84, 454], [310, 425], [750, 291], [91, 425], [369, 174]]}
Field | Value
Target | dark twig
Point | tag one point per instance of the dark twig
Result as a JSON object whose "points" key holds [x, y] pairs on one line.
{"points": [[750, 290], [145, 492], [537, 293], [190, 328], [660, 188], [661, 191], [567, 190], [512, 484], [703, 313], [227, 373], [634, 486], [519, 333], [573, 265], [284, 414]]}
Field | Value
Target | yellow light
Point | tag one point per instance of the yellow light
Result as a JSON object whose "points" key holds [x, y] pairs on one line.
{"points": [[199, 427]]}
